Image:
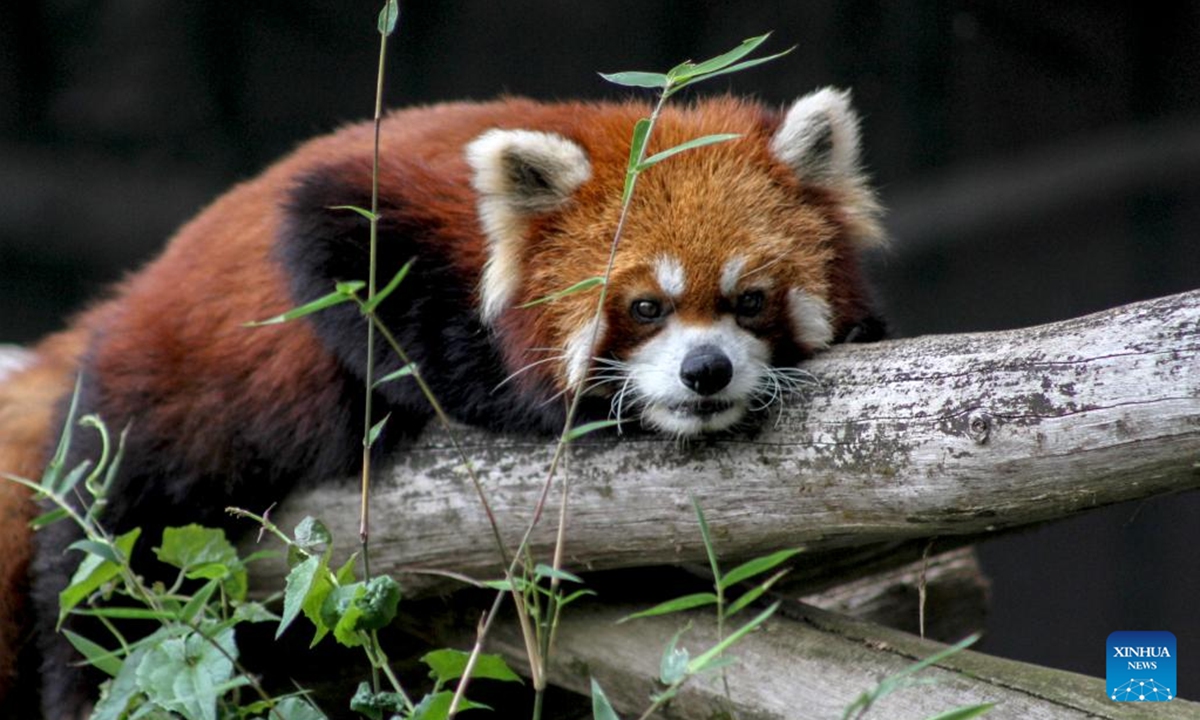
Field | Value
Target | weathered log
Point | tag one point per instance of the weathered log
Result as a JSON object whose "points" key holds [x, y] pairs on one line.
{"points": [[940, 435], [811, 664]]}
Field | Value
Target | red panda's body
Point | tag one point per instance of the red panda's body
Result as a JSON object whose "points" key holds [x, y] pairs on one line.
{"points": [[737, 260]]}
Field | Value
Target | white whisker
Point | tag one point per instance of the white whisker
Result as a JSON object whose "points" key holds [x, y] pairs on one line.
{"points": [[526, 368]]}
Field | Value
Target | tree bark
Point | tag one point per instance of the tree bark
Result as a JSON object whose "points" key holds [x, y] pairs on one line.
{"points": [[932, 436]]}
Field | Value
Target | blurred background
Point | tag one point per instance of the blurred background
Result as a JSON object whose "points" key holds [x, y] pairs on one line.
{"points": [[1039, 160]]}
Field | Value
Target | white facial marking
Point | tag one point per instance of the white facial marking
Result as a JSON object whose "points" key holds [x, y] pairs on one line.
{"points": [[670, 275], [579, 350], [668, 404], [731, 272], [517, 173], [812, 319]]}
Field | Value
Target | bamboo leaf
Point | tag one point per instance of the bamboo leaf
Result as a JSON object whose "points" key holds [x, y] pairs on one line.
{"points": [[388, 17], [712, 655], [337, 297], [371, 304], [354, 208], [580, 431], [580, 286], [395, 375], [543, 570], [753, 594], [602, 709], [104, 660], [758, 566], [376, 429], [686, 602], [637, 79], [689, 145], [737, 68], [686, 71], [706, 535]]}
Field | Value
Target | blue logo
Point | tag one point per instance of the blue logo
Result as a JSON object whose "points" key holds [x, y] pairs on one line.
{"points": [[1141, 666]]}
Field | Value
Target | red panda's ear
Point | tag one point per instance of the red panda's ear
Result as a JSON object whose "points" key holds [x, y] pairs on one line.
{"points": [[819, 140], [517, 174]]}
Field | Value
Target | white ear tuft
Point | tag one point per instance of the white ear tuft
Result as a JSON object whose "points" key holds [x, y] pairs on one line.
{"points": [[819, 136], [819, 140], [518, 173]]}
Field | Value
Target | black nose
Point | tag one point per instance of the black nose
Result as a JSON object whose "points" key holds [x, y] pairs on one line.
{"points": [[705, 369]]}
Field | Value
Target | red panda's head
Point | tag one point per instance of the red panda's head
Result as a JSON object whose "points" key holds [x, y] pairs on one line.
{"points": [[736, 260]]}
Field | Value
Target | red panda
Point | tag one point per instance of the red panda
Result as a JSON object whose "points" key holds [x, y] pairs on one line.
{"points": [[738, 260]]}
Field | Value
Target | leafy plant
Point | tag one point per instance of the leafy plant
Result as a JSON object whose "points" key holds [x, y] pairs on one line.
{"points": [[677, 667], [189, 664], [905, 678]]}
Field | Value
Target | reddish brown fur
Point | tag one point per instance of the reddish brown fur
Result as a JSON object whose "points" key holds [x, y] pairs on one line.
{"points": [[170, 341]]}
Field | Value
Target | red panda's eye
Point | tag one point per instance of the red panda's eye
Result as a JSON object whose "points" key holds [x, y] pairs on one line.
{"points": [[646, 310], [750, 303]]}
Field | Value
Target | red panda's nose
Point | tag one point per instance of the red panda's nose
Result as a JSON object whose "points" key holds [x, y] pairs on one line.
{"points": [[705, 369]]}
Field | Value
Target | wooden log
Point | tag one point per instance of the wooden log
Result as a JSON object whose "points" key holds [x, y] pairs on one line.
{"points": [[940, 435], [810, 664]]}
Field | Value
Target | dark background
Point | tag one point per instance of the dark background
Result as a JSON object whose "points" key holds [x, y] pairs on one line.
{"points": [[1040, 161]]}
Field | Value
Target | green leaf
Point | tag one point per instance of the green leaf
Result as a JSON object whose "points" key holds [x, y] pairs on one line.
{"points": [[370, 216], [758, 566], [637, 150], [72, 479], [48, 518], [127, 613], [580, 286], [53, 472], [377, 428], [253, 612], [447, 664], [184, 675], [396, 375], [687, 71], [298, 585], [353, 609], [637, 143], [738, 68], [378, 603], [602, 709], [313, 602], [689, 145], [104, 660], [586, 428], [93, 572], [295, 708], [673, 666], [542, 570], [706, 535], [712, 655], [679, 604], [376, 706], [388, 17], [121, 690], [381, 295], [337, 297], [966, 712], [204, 553], [752, 594], [91, 547], [437, 706], [311, 534], [636, 78], [349, 287]]}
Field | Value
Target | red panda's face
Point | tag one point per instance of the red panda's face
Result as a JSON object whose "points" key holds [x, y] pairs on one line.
{"points": [[731, 268]]}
